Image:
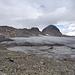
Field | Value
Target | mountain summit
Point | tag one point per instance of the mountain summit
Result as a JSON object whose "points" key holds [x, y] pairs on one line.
{"points": [[51, 30]]}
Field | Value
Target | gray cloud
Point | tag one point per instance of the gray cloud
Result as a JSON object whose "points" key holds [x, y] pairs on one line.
{"points": [[38, 13]]}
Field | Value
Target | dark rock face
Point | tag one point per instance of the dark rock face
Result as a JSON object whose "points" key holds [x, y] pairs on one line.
{"points": [[51, 30], [35, 31], [3, 38]]}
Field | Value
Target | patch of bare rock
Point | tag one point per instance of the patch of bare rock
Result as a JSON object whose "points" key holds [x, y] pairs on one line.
{"points": [[19, 63]]}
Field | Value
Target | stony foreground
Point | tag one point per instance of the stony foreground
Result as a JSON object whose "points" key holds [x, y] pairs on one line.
{"points": [[19, 63]]}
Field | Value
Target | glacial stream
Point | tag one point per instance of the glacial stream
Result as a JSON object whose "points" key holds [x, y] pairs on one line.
{"points": [[46, 46]]}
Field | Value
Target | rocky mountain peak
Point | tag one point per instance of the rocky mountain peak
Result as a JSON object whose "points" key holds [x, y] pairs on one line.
{"points": [[35, 29], [51, 30]]}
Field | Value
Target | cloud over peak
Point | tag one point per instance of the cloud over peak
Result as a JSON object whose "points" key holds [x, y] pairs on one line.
{"points": [[38, 13]]}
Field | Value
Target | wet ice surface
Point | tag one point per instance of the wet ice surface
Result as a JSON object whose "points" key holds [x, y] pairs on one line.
{"points": [[46, 39], [58, 52]]}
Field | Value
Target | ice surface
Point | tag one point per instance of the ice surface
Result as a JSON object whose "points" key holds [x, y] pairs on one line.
{"points": [[46, 39], [58, 52]]}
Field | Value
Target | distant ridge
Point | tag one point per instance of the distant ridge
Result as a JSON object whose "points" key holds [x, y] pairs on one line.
{"points": [[34, 31], [13, 32]]}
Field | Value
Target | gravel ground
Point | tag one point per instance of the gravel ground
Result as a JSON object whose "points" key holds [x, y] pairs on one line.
{"points": [[19, 63]]}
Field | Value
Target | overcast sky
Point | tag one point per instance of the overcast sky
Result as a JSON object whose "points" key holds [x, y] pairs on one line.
{"points": [[39, 13]]}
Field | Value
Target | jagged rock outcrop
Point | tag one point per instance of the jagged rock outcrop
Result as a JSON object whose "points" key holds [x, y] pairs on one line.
{"points": [[8, 31], [51, 30]]}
